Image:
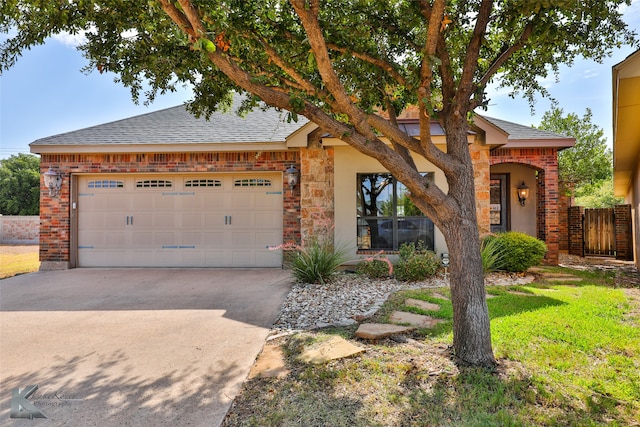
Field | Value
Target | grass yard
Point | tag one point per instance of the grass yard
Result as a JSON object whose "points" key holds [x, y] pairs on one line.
{"points": [[18, 259], [568, 353]]}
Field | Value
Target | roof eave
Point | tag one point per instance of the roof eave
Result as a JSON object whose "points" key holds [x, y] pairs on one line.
{"points": [[157, 148], [540, 143]]}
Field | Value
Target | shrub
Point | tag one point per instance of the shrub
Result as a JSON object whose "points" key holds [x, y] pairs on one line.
{"points": [[315, 263], [374, 268], [519, 251], [492, 254], [415, 263]]}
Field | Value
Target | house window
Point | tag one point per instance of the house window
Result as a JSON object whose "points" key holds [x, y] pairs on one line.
{"points": [[386, 217]]}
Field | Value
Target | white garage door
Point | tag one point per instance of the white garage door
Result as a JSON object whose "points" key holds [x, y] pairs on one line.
{"points": [[203, 220]]}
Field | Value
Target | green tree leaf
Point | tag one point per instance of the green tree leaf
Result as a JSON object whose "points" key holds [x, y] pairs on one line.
{"points": [[20, 185]]}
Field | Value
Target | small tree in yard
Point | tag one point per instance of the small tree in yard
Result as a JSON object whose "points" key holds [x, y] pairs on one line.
{"points": [[20, 185], [338, 63], [586, 168]]}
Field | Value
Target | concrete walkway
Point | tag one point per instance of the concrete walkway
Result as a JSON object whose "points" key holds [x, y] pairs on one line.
{"points": [[139, 347]]}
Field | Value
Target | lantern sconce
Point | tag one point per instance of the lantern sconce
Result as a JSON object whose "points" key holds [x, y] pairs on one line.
{"points": [[291, 174], [523, 193], [53, 181]]}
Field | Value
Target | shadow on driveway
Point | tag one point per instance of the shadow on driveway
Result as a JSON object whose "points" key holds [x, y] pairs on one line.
{"points": [[133, 346]]}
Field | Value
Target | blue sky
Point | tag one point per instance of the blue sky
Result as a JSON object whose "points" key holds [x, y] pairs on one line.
{"points": [[45, 94]]}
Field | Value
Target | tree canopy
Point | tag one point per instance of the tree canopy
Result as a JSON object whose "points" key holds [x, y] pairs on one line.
{"points": [[340, 63], [586, 169], [20, 185], [590, 160]]}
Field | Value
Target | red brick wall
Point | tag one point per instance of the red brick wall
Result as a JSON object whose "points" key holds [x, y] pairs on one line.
{"points": [[623, 227], [55, 224], [565, 200], [576, 230], [545, 161], [19, 229]]}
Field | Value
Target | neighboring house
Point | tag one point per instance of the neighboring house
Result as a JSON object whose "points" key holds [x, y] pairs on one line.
{"points": [[626, 138], [168, 190]]}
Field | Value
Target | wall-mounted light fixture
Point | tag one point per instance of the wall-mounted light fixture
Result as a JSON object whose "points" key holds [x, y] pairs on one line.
{"points": [[291, 175], [53, 181], [445, 259], [523, 193]]}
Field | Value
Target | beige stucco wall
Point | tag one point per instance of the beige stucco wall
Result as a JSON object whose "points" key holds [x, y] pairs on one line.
{"points": [[523, 218], [348, 163], [633, 198]]}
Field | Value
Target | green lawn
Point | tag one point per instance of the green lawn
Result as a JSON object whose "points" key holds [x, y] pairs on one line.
{"points": [[14, 262], [568, 355]]}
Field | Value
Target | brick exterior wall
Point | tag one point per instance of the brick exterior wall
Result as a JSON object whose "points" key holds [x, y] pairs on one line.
{"points": [[565, 201], [545, 161], [317, 213], [55, 222], [624, 236], [576, 231], [19, 229]]}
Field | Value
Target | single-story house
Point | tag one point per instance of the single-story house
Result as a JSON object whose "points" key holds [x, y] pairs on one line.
{"points": [[166, 189], [626, 138]]}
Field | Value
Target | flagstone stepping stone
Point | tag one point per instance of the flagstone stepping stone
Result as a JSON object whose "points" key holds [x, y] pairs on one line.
{"points": [[334, 348], [423, 305], [439, 296], [413, 319], [378, 331], [489, 296], [270, 363]]}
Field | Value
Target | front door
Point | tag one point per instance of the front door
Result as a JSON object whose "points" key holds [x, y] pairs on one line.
{"points": [[499, 199]]}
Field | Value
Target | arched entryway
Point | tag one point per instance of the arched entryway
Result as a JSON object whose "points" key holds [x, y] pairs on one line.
{"points": [[537, 169]]}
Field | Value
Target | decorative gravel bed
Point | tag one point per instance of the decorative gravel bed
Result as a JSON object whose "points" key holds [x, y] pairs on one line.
{"points": [[351, 296]]}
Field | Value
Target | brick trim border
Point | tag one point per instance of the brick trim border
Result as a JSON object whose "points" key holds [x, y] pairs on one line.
{"points": [[55, 212]]}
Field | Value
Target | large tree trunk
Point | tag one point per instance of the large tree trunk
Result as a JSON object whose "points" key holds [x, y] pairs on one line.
{"points": [[471, 328]]}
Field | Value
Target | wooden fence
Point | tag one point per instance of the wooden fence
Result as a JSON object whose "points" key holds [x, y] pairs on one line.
{"points": [[599, 232]]}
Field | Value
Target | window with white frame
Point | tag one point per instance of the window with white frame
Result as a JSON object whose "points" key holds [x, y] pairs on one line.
{"points": [[386, 217]]}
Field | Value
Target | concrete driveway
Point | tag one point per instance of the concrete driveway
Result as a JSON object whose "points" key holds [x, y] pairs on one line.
{"points": [[132, 347]]}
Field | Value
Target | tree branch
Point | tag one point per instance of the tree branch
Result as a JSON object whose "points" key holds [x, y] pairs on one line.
{"points": [[178, 17], [506, 53], [386, 66], [466, 87]]}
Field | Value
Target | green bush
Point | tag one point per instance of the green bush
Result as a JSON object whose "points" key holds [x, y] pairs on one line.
{"points": [[375, 268], [415, 263], [315, 263], [492, 254], [519, 251]]}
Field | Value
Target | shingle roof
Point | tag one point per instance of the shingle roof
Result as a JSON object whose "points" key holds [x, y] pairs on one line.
{"points": [[176, 125], [518, 132]]}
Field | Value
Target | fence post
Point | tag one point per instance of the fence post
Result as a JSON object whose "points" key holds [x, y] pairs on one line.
{"points": [[624, 239], [576, 231]]}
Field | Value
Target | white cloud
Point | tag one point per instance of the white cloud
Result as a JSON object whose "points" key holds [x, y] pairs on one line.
{"points": [[69, 39], [590, 73]]}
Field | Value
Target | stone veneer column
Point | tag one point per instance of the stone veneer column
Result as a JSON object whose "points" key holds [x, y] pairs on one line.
{"points": [[482, 173], [317, 209]]}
